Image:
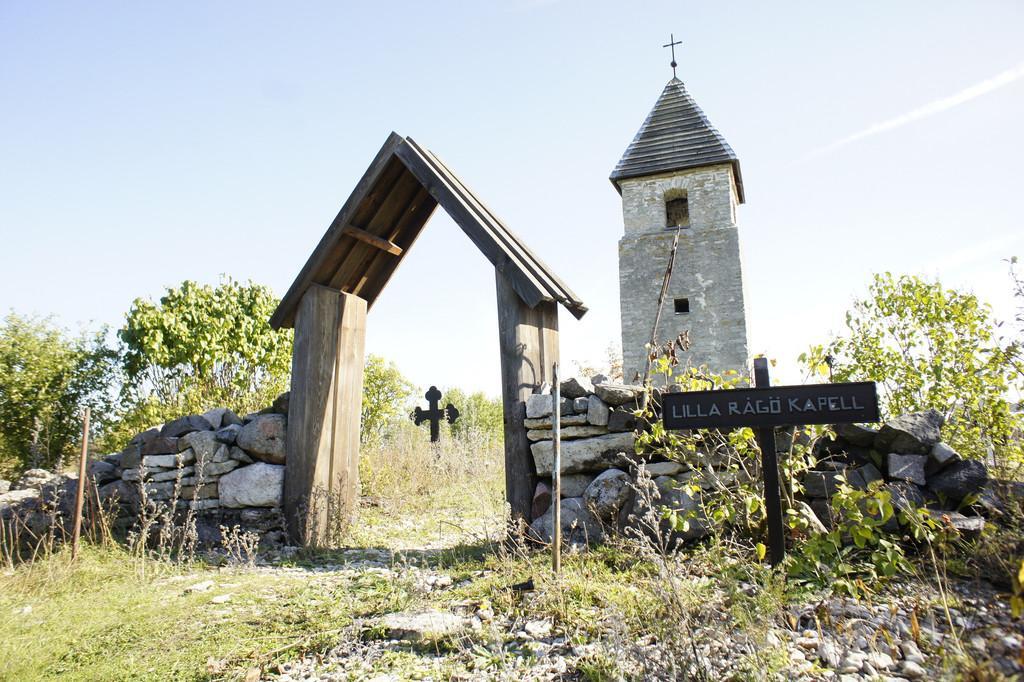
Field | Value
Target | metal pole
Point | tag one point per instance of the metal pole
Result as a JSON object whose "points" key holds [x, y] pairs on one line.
{"points": [[556, 473], [80, 495], [770, 473]]}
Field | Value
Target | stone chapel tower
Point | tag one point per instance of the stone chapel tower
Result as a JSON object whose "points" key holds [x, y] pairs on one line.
{"points": [[679, 172]]}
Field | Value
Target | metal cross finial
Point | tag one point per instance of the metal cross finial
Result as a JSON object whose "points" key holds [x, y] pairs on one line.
{"points": [[672, 42]]}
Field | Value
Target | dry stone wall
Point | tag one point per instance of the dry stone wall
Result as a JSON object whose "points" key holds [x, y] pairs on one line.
{"points": [[602, 474], [218, 468], [917, 469]]}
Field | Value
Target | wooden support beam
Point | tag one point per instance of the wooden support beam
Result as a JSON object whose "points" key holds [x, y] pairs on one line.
{"points": [[372, 239], [321, 484], [528, 343]]}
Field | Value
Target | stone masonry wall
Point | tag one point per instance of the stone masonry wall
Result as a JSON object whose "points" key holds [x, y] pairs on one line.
{"points": [[707, 269], [601, 470], [223, 469]]}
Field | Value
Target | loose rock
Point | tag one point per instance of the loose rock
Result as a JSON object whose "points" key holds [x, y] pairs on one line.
{"points": [[907, 468], [575, 388], [264, 438], [618, 394], [959, 480], [610, 495], [913, 433], [257, 485], [184, 425], [591, 454]]}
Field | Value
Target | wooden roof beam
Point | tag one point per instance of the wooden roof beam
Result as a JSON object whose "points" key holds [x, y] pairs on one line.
{"points": [[372, 239]]}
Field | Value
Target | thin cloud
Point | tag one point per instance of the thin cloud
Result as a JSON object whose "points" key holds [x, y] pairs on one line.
{"points": [[937, 107]]}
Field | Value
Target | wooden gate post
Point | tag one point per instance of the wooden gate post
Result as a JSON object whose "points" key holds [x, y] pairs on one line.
{"points": [[528, 344], [321, 483]]}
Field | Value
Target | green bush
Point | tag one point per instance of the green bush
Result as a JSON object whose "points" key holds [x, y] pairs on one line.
{"points": [[479, 415], [385, 393], [930, 347], [201, 347], [47, 378]]}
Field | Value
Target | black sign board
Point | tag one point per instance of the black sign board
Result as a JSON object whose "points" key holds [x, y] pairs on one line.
{"points": [[775, 406], [763, 408]]}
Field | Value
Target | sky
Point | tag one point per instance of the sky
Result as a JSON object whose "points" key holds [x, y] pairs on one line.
{"points": [[142, 144]]}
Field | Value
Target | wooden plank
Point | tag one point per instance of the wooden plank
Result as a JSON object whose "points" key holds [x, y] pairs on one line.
{"points": [[407, 230], [345, 251], [528, 288], [374, 241], [512, 242], [350, 271], [285, 314], [528, 344], [322, 442]]}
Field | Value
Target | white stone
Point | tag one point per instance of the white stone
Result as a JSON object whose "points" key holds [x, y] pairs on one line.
{"points": [[540, 405], [597, 411], [426, 625], [204, 444], [566, 420], [172, 474], [609, 495], [218, 468], [618, 394], [579, 525], [574, 485], [169, 461], [566, 433], [263, 438], [656, 469], [588, 454], [912, 670], [256, 485]]}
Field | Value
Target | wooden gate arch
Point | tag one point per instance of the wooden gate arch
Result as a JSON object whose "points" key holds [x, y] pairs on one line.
{"points": [[327, 305]]}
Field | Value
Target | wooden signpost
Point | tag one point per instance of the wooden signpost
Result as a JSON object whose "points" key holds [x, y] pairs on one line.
{"points": [[763, 408]]}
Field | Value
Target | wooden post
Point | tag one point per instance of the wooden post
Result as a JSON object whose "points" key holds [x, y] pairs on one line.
{"points": [[321, 483], [770, 468], [76, 530], [528, 343], [556, 472]]}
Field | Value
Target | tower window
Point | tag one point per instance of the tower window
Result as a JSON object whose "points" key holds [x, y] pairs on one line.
{"points": [[677, 213], [682, 306]]}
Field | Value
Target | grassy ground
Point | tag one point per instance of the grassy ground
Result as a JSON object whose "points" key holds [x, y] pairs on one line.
{"points": [[426, 540]]}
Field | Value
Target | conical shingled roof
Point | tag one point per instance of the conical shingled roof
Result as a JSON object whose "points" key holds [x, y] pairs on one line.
{"points": [[675, 136]]}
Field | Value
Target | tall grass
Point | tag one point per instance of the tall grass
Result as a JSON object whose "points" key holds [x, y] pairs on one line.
{"points": [[457, 484]]}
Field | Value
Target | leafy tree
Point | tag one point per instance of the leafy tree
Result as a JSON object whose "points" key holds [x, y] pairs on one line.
{"points": [[928, 346], [479, 415], [385, 392], [47, 378], [201, 347]]}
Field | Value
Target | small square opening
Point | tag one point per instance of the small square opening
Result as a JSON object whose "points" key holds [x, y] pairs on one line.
{"points": [[677, 213], [682, 306]]}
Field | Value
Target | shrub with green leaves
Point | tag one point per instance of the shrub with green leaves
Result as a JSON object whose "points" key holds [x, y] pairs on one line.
{"points": [[385, 393], [47, 378], [479, 415], [200, 347], [930, 347]]}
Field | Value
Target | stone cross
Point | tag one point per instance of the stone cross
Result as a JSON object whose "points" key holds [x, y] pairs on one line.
{"points": [[435, 414]]}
